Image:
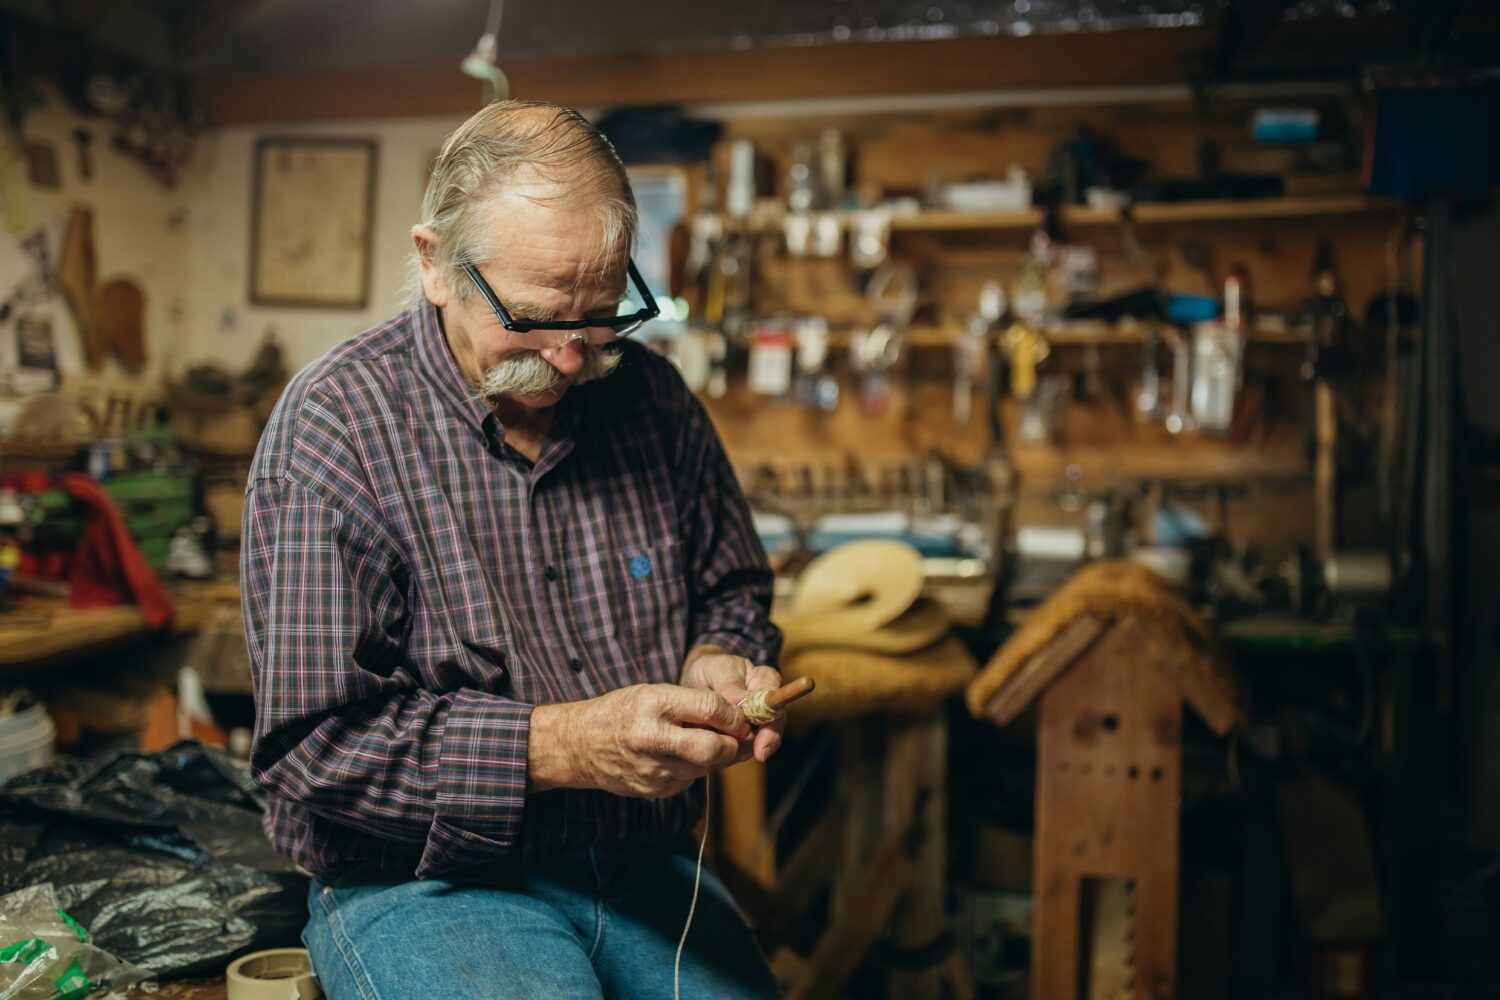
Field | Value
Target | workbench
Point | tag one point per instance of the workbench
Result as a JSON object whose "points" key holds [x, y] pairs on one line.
{"points": [[879, 845], [43, 632]]}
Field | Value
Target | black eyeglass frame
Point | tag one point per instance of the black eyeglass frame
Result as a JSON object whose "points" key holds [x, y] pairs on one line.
{"points": [[619, 324]]}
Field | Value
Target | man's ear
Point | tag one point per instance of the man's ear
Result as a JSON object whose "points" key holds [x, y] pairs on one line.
{"points": [[433, 284]]}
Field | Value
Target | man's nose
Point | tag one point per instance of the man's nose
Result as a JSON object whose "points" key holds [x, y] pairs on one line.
{"points": [[566, 358]]}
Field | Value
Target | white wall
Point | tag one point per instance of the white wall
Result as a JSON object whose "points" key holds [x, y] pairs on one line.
{"points": [[140, 232], [224, 326], [189, 248]]}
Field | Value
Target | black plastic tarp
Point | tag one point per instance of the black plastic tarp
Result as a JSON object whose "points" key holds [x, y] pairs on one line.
{"points": [[160, 855]]}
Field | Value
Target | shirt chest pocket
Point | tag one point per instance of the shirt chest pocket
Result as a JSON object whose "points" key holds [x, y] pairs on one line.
{"points": [[647, 599]]}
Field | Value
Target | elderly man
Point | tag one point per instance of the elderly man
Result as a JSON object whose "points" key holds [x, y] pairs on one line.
{"points": [[503, 598]]}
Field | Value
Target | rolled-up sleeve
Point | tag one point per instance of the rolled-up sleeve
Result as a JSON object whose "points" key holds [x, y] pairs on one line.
{"points": [[729, 580], [343, 726]]}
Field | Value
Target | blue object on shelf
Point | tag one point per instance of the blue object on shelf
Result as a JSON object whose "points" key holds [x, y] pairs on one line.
{"points": [[1192, 308], [1285, 126], [931, 546], [1174, 525]]}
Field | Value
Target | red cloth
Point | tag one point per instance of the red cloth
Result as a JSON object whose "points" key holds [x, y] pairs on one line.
{"points": [[108, 567]]}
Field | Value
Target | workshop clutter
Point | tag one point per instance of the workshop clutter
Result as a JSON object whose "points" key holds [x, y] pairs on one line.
{"points": [[191, 881], [864, 595], [859, 623], [46, 955], [26, 733], [72, 533], [1103, 381], [1029, 344]]}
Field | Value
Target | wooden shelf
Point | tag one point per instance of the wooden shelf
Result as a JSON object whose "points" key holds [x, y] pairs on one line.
{"points": [[1083, 334], [1160, 213], [1322, 207], [932, 221], [46, 632], [1144, 213]]}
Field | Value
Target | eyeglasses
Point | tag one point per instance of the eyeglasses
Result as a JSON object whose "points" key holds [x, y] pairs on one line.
{"points": [[595, 331]]}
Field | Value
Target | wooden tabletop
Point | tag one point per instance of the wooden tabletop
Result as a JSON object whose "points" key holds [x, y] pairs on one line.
{"points": [[44, 631]]}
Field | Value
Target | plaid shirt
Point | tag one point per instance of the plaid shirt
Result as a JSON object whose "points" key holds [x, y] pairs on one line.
{"points": [[412, 587]]}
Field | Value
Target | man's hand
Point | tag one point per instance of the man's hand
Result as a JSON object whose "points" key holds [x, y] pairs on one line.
{"points": [[732, 678], [646, 741]]}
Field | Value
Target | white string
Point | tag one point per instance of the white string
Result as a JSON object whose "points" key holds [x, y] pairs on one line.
{"points": [[697, 876], [757, 707], [758, 713]]}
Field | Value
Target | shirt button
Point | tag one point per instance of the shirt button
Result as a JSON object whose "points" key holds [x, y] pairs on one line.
{"points": [[551, 574], [576, 664]]}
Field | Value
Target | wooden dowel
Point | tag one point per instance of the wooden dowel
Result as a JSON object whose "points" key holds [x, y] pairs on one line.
{"points": [[788, 693]]}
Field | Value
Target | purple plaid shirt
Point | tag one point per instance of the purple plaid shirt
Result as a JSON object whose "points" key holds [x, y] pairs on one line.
{"points": [[412, 587]]}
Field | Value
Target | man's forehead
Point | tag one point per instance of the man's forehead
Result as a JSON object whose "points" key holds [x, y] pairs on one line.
{"points": [[552, 282], [554, 246]]}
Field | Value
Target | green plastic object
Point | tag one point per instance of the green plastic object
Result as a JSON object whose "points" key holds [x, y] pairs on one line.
{"points": [[153, 506], [46, 954]]}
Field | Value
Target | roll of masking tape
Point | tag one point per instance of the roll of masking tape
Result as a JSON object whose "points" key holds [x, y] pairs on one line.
{"points": [[278, 974]]}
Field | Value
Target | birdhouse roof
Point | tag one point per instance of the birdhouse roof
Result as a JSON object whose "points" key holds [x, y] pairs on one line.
{"points": [[1064, 627]]}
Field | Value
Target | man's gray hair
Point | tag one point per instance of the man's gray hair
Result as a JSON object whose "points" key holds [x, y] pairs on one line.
{"points": [[504, 139]]}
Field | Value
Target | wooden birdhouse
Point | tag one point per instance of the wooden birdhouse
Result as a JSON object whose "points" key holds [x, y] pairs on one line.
{"points": [[1112, 657]]}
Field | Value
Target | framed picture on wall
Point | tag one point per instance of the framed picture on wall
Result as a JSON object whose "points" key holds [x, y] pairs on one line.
{"points": [[312, 219]]}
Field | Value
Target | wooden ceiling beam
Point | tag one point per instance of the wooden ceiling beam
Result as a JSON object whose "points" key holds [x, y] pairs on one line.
{"points": [[1085, 59], [210, 20]]}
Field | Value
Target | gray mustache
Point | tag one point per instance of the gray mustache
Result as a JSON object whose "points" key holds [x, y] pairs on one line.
{"points": [[529, 373]]}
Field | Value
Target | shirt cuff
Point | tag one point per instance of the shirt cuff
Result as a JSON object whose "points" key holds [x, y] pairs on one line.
{"points": [[481, 783]]}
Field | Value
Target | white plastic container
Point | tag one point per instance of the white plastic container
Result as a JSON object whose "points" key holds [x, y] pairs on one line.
{"points": [[25, 741]]}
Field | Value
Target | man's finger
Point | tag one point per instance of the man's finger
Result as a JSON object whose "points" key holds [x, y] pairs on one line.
{"points": [[677, 769], [768, 739], [762, 677], [707, 708], [732, 690], [702, 747]]}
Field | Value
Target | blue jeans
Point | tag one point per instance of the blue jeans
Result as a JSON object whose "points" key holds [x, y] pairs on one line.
{"points": [[595, 923]]}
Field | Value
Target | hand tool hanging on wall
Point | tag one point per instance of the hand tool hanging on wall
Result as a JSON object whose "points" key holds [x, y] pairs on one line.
{"points": [[1148, 398], [1327, 358], [1024, 343], [705, 235], [971, 350], [873, 353], [1218, 351], [740, 192], [833, 168], [1329, 353], [1179, 417], [892, 294], [77, 273], [815, 386], [802, 180], [704, 278], [1026, 349]]}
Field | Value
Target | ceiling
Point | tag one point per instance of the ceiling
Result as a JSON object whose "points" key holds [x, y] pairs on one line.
{"points": [[212, 38]]}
